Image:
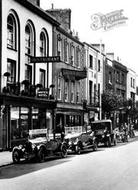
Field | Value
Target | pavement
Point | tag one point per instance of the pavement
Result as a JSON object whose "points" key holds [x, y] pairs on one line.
{"points": [[6, 156]]}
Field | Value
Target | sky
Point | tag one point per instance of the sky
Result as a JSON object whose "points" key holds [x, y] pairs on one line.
{"points": [[122, 40]]}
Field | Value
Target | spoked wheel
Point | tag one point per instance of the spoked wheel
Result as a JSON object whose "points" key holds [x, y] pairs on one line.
{"points": [[41, 155], [77, 149], [95, 146], [63, 151], [16, 156]]}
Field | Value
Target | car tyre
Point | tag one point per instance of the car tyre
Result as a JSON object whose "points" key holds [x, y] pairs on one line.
{"points": [[41, 155], [77, 149], [95, 146], [16, 156], [63, 151]]}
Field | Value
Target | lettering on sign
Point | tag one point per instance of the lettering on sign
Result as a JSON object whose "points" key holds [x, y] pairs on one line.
{"points": [[45, 59]]}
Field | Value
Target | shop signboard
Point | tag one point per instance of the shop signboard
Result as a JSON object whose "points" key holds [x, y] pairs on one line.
{"points": [[45, 59], [44, 93]]}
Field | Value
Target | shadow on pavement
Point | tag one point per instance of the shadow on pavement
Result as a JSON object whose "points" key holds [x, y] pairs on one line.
{"points": [[23, 168]]}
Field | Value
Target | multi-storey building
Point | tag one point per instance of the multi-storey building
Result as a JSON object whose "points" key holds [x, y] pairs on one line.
{"points": [[94, 81], [68, 75], [131, 85], [25, 32]]}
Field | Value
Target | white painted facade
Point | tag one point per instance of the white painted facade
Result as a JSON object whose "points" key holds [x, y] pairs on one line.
{"points": [[39, 23], [131, 83]]}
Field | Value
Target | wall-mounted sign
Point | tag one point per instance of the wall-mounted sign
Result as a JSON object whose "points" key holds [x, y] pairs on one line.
{"points": [[44, 59], [43, 93]]}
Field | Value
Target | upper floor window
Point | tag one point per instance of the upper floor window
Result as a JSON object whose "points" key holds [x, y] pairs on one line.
{"points": [[110, 78], [78, 92], [72, 91], [59, 45], [59, 89], [72, 58], [99, 65], [11, 32], [28, 73], [77, 57], [42, 44], [42, 77], [66, 51], [91, 61], [29, 39], [66, 91], [11, 68]]}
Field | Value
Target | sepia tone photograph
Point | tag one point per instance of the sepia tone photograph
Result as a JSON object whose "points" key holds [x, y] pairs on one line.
{"points": [[68, 95]]}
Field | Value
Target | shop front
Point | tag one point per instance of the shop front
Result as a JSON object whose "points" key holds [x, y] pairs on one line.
{"points": [[19, 114], [68, 115]]}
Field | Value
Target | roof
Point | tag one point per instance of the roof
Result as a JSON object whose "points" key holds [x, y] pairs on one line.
{"points": [[37, 10]]}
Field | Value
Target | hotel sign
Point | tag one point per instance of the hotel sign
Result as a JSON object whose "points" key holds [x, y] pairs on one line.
{"points": [[45, 59]]}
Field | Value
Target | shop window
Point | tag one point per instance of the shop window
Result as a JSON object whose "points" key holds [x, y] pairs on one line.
{"points": [[11, 32], [42, 77]]}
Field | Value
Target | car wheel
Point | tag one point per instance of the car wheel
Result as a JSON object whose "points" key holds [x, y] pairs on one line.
{"points": [[95, 146], [63, 151], [115, 141], [109, 142], [41, 155], [77, 149], [16, 156]]}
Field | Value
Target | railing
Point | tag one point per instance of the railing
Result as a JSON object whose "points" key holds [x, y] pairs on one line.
{"points": [[73, 129]]}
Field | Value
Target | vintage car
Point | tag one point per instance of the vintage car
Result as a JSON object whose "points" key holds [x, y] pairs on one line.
{"points": [[104, 132], [39, 146], [78, 142]]}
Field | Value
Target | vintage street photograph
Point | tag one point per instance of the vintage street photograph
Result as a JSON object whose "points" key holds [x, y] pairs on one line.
{"points": [[68, 95]]}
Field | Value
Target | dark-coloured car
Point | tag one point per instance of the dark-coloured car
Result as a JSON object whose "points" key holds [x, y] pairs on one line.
{"points": [[39, 146], [104, 132], [78, 142]]}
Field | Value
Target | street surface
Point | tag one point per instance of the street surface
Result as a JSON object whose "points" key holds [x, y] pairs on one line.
{"points": [[114, 168]]}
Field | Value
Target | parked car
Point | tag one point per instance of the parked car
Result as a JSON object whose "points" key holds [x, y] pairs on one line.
{"points": [[39, 146], [78, 142], [104, 132]]}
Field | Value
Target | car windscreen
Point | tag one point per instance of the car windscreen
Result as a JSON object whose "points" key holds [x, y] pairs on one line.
{"points": [[101, 125]]}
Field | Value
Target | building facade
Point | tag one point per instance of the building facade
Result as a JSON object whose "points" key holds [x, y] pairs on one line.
{"points": [[94, 82], [25, 32], [68, 74]]}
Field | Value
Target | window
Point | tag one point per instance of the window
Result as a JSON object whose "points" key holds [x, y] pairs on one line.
{"points": [[99, 65], [66, 51], [59, 45], [110, 77], [11, 32], [77, 57], [91, 61], [123, 78], [42, 44], [59, 89], [72, 54], [42, 77], [78, 92], [11, 68], [90, 91], [131, 82], [118, 77], [66, 91], [72, 91], [28, 73]]}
